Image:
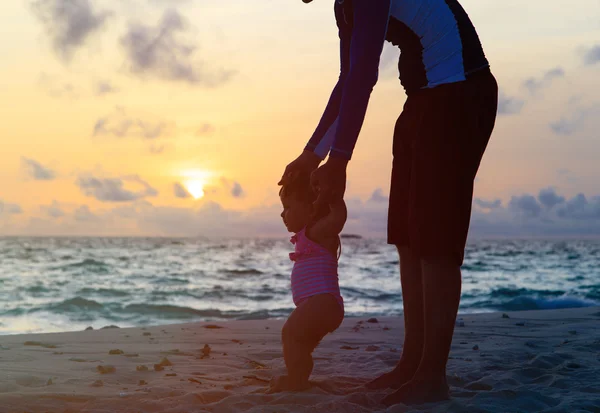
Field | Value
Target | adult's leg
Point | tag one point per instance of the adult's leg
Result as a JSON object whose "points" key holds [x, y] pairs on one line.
{"points": [[302, 332], [399, 215], [412, 296], [441, 290], [448, 157]]}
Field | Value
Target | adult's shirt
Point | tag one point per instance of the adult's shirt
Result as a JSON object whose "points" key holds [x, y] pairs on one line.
{"points": [[438, 45]]}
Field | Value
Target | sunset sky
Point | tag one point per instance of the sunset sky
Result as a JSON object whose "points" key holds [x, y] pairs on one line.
{"points": [[177, 117]]}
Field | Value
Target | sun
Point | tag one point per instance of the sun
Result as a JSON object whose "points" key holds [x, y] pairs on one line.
{"points": [[195, 181], [195, 187]]}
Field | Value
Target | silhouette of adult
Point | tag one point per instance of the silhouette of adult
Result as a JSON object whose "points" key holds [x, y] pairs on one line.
{"points": [[439, 141]]}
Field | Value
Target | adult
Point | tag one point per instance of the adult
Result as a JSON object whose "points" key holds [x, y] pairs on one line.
{"points": [[439, 140]]}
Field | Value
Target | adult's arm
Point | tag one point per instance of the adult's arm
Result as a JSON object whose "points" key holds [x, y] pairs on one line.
{"points": [[323, 136], [371, 19]]}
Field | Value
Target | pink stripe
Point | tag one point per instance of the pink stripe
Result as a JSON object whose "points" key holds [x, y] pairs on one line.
{"points": [[314, 272]]}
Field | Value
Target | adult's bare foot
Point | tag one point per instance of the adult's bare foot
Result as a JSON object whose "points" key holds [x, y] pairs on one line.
{"points": [[419, 391], [283, 383], [394, 379]]}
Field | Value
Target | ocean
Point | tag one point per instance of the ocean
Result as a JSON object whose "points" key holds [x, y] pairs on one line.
{"points": [[69, 284]]}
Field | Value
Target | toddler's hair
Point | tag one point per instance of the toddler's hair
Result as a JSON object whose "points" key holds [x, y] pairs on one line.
{"points": [[302, 191]]}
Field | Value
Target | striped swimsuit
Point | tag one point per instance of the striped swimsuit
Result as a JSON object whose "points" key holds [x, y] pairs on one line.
{"points": [[315, 270]]}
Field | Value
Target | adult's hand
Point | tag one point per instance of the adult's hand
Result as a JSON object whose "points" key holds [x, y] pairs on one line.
{"points": [[330, 181], [306, 163]]}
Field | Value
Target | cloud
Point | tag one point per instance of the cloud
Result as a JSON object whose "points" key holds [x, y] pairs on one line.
{"points": [[53, 211], [83, 214], [237, 191], [104, 88], [113, 189], [592, 56], [120, 125], [10, 209], [508, 105], [156, 149], [378, 196], [524, 216], [234, 188], [553, 215], [159, 52], [37, 171], [56, 88], [180, 191], [497, 203], [205, 129], [168, 2], [579, 208], [549, 199], [566, 175], [526, 205], [69, 23], [534, 85], [567, 126]]}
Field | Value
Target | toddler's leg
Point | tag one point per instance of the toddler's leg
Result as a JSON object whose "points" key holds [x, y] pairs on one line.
{"points": [[304, 329]]}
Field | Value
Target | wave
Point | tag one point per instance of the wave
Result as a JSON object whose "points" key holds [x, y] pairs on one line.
{"points": [[169, 281], [75, 305], [174, 312], [36, 290], [526, 303], [370, 294], [88, 264], [241, 273], [531, 303], [171, 311], [103, 292], [524, 292]]}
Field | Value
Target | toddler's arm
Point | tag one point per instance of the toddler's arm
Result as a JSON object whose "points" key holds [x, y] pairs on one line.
{"points": [[331, 225]]}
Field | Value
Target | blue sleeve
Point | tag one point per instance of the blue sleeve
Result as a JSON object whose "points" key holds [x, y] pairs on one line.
{"points": [[371, 19], [333, 106]]}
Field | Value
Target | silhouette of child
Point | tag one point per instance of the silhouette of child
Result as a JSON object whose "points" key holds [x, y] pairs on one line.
{"points": [[315, 288]]}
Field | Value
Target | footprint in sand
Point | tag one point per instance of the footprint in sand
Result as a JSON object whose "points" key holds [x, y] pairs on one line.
{"points": [[165, 362], [8, 388], [80, 360], [39, 344], [106, 369], [213, 327], [31, 381], [206, 351]]}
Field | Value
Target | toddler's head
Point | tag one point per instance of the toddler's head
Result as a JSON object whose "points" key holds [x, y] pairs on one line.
{"points": [[297, 199]]}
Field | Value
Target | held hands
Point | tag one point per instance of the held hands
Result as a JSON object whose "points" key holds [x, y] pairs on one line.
{"points": [[330, 182], [306, 163]]}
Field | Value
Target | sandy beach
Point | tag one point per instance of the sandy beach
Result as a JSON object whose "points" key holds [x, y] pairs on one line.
{"points": [[535, 361]]}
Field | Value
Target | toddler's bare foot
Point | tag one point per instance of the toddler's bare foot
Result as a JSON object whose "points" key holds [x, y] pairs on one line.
{"points": [[283, 383], [419, 391], [394, 379]]}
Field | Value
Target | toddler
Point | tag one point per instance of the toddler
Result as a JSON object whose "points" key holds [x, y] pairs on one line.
{"points": [[315, 288]]}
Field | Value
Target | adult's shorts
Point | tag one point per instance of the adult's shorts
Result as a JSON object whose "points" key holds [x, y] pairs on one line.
{"points": [[439, 141]]}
